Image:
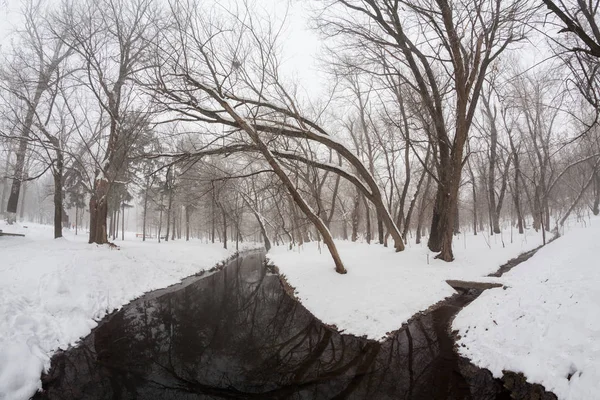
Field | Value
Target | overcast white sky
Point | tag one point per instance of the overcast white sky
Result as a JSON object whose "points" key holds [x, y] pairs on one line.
{"points": [[301, 44], [299, 52]]}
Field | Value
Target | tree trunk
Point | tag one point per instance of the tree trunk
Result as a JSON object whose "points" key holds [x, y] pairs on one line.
{"points": [[160, 217], [5, 183], [213, 219], [422, 207], [596, 205], [188, 213], [355, 217], [174, 219], [13, 199], [367, 220], [413, 202], [319, 224], [537, 211], [495, 222], [23, 200], [517, 191], [58, 197], [444, 210], [145, 211], [99, 211], [170, 204], [123, 221], [474, 193], [224, 229], [456, 219], [115, 220]]}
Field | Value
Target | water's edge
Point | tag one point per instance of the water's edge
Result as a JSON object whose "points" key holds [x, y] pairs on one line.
{"points": [[120, 349], [515, 383]]}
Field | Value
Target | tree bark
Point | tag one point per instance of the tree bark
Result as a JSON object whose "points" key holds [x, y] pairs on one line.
{"points": [[99, 211], [58, 196], [188, 213]]}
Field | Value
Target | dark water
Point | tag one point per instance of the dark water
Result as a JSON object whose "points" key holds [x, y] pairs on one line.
{"points": [[237, 335]]}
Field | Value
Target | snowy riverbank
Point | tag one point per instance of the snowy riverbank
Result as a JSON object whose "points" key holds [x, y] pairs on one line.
{"points": [[547, 323], [383, 289], [52, 292]]}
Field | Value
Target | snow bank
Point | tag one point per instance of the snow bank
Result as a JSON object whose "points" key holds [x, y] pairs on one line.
{"points": [[547, 323], [383, 289], [52, 292]]}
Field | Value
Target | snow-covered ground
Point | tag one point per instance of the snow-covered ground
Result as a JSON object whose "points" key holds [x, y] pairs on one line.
{"points": [[383, 289], [547, 323], [52, 292]]}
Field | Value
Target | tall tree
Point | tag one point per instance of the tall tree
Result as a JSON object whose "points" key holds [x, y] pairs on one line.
{"points": [[463, 40], [111, 38], [29, 75]]}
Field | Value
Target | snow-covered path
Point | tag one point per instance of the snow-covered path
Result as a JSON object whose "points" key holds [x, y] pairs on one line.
{"points": [[546, 324], [384, 289], [53, 291]]}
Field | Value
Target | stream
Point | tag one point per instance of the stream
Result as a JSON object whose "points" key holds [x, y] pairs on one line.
{"points": [[236, 334]]}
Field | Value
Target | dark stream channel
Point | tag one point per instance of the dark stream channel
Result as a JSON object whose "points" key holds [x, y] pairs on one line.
{"points": [[236, 334]]}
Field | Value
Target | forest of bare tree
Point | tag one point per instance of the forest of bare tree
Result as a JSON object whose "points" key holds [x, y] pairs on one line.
{"points": [[437, 119]]}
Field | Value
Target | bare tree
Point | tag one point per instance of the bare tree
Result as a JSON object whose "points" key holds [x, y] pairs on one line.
{"points": [[110, 37], [463, 40], [29, 82]]}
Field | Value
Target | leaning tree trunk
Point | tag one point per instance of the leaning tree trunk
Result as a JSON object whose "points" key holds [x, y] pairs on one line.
{"points": [[580, 195], [261, 224], [13, 199], [413, 202], [274, 164], [263, 230]]}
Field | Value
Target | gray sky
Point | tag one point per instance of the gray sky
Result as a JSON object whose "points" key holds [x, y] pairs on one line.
{"points": [[300, 44]]}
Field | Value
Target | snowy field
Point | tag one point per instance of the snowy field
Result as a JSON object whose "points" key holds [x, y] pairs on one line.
{"points": [[52, 292], [547, 323], [383, 289]]}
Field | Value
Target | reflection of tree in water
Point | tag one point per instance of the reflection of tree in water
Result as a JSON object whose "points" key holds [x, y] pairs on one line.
{"points": [[236, 334]]}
